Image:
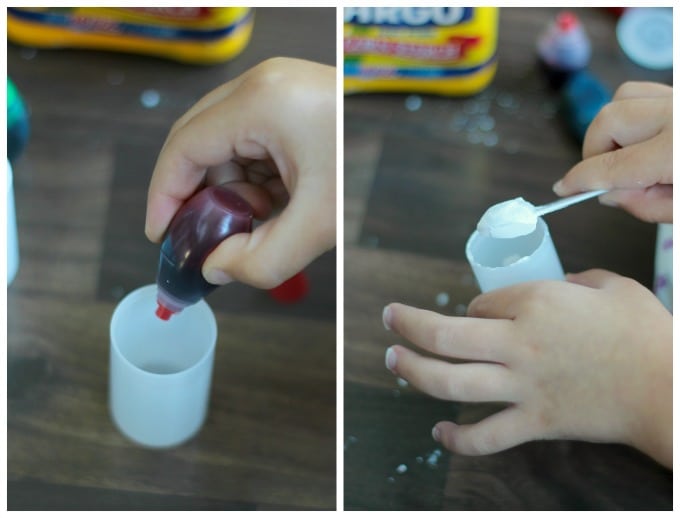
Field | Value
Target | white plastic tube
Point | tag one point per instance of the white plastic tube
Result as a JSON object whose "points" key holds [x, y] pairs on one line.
{"points": [[160, 371], [497, 263], [12, 234]]}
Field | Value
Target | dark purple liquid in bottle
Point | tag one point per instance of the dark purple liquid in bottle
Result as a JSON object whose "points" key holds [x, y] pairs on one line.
{"points": [[203, 222]]}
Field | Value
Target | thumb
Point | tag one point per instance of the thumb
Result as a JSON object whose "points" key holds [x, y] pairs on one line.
{"points": [[276, 250]]}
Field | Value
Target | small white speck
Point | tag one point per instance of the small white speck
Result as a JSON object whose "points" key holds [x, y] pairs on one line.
{"points": [[390, 480], [432, 460], [442, 299], [461, 309], [401, 469], [471, 107], [115, 78], [490, 139], [475, 138], [150, 98], [402, 382], [413, 103], [459, 121], [419, 459], [28, 53], [486, 123]]}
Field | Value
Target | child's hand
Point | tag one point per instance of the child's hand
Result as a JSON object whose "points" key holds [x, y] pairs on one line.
{"points": [[629, 148], [270, 133], [588, 359]]}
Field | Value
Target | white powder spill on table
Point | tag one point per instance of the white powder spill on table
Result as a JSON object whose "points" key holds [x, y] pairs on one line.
{"points": [[28, 53], [442, 299], [508, 219], [402, 382], [433, 458], [413, 103], [402, 468], [150, 98]]}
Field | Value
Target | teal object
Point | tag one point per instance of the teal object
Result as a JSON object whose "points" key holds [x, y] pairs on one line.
{"points": [[18, 128], [583, 96]]}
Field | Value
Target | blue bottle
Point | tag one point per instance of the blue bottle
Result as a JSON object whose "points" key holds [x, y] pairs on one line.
{"points": [[17, 122], [583, 96]]}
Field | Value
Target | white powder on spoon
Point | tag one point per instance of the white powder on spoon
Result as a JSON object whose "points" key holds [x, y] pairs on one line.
{"points": [[509, 219]]}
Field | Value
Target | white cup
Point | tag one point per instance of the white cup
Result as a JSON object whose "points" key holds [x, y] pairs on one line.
{"points": [[160, 371], [497, 263], [12, 235]]}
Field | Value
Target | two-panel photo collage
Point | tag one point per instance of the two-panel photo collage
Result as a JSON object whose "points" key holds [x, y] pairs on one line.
{"points": [[339, 258]]}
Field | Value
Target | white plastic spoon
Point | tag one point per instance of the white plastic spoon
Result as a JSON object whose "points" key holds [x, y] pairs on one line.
{"points": [[518, 217]]}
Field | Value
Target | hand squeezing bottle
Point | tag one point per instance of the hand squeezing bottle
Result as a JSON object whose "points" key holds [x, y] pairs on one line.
{"points": [[202, 223]]}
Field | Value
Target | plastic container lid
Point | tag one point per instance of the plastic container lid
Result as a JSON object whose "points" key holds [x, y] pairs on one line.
{"points": [[646, 36]]}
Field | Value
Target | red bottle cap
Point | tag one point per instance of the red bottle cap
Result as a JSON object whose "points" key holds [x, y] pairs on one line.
{"points": [[292, 290], [163, 313], [566, 21]]}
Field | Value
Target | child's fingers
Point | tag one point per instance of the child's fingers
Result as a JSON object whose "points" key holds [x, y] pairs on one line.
{"points": [[503, 303], [653, 204], [471, 382], [641, 89], [211, 138], [625, 122], [625, 168], [497, 432], [278, 249], [454, 337]]}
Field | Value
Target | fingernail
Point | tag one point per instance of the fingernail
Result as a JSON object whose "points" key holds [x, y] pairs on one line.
{"points": [[436, 434], [387, 317], [391, 360], [215, 276], [558, 188]]}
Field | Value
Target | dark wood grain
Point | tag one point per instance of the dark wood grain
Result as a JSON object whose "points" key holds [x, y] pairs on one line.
{"points": [[269, 439], [416, 183]]}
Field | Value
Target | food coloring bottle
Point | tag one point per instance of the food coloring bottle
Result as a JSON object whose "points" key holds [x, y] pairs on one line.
{"points": [[202, 223], [18, 127], [563, 49]]}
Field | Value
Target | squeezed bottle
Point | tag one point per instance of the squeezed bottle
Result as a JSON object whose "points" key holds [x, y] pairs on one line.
{"points": [[202, 223]]}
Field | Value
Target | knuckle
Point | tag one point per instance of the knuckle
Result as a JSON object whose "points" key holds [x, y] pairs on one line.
{"points": [[610, 161], [483, 443], [443, 337], [625, 284], [626, 89], [261, 275]]}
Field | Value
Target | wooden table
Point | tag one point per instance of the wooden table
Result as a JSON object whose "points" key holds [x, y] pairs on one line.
{"points": [[416, 183], [269, 440]]}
